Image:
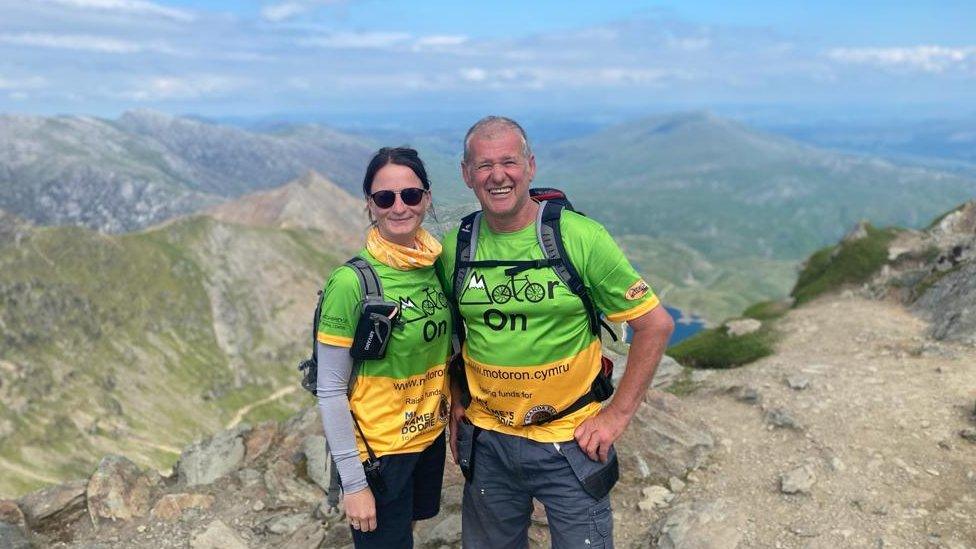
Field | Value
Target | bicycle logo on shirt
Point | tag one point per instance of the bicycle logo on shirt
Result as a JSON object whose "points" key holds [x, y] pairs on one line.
{"points": [[433, 300], [516, 289]]}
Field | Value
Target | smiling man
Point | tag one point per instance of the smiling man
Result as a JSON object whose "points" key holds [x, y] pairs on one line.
{"points": [[532, 427]]}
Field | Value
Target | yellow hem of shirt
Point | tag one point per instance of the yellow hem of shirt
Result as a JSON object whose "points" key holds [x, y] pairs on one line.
{"points": [[635, 312], [337, 341]]}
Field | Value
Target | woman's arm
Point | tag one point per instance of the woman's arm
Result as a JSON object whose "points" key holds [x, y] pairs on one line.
{"points": [[335, 367]]}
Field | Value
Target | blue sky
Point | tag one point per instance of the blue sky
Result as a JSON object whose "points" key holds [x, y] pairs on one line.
{"points": [[349, 57]]}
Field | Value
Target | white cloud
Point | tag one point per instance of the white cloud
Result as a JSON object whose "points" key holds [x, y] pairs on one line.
{"points": [[360, 40], [282, 11], [82, 42], [164, 88], [440, 41], [931, 59], [16, 84], [133, 7]]}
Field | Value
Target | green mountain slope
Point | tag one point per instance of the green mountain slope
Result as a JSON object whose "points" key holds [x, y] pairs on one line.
{"points": [[139, 343]]}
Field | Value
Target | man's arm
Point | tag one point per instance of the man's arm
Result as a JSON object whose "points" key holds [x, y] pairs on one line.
{"points": [[651, 333]]}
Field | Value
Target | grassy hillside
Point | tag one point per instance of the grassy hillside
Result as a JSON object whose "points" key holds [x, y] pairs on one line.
{"points": [[138, 344]]}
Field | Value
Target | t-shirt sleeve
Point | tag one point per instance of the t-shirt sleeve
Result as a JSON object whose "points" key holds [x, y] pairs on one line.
{"points": [[340, 308], [615, 286]]}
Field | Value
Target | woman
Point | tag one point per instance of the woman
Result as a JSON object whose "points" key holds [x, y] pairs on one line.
{"points": [[398, 403]]}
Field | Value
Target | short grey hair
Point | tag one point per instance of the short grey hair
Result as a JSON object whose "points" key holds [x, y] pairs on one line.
{"points": [[491, 124]]}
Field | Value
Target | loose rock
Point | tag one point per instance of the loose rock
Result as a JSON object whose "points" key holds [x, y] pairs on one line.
{"points": [[50, 508], [11, 537], [117, 491], [798, 383], [780, 417], [206, 461], [655, 497], [447, 531], [218, 535], [171, 506], [697, 525], [317, 463], [797, 481]]}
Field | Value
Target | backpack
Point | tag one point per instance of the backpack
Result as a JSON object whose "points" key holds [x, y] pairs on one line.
{"points": [[370, 341], [552, 202]]}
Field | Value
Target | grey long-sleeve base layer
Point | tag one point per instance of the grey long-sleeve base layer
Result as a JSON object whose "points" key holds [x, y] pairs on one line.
{"points": [[335, 367]]}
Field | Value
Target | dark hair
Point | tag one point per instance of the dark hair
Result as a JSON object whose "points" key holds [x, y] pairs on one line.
{"points": [[401, 156]]}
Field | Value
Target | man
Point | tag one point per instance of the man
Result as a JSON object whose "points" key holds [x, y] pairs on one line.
{"points": [[530, 350]]}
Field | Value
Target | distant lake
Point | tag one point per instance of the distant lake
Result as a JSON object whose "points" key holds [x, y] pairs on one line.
{"points": [[685, 326]]}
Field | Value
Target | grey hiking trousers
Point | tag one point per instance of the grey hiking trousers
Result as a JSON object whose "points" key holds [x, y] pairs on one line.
{"points": [[509, 471]]}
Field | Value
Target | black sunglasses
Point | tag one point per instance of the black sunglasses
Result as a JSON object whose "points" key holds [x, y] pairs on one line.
{"points": [[410, 196]]}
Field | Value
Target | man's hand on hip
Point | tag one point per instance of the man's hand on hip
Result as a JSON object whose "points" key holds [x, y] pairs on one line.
{"points": [[596, 434]]}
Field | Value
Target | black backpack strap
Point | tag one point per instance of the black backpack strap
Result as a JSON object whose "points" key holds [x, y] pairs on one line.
{"points": [[551, 241], [369, 281], [467, 246]]}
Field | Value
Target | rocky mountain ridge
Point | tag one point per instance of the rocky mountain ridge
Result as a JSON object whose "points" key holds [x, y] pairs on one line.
{"points": [[138, 343], [146, 167]]}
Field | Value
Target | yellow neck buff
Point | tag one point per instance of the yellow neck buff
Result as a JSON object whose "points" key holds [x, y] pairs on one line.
{"points": [[425, 251]]}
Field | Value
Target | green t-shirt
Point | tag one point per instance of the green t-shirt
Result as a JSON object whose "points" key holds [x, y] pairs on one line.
{"points": [[529, 348], [400, 401]]}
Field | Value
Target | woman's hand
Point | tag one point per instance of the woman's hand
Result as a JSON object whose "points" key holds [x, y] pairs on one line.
{"points": [[360, 510], [457, 416]]}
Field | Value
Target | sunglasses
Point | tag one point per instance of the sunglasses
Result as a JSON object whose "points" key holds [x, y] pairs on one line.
{"points": [[385, 199]]}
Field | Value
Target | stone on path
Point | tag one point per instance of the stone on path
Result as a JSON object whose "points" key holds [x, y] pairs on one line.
{"points": [[206, 461], [655, 497], [664, 439], [118, 490], [747, 394], [743, 326], [171, 506], [968, 434], [701, 525], [447, 532], [781, 417], [12, 537], [218, 535], [797, 382], [259, 439], [797, 481]]}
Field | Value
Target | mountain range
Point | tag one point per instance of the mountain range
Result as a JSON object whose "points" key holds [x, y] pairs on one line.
{"points": [[145, 167], [139, 343]]}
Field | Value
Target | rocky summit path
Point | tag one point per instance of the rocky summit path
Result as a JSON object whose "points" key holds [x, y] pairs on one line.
{"points": [[863, 419]]}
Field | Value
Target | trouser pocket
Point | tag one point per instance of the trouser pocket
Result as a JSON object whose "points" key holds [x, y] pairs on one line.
{"points": [[597, 478], [467, 433]]}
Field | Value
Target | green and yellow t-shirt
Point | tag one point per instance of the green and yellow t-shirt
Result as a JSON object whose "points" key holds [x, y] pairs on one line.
{"points": [[400, 401], [529, 348]]}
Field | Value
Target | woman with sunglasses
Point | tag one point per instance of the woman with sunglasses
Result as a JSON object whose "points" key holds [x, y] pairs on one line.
{"points": [[398, 406]]}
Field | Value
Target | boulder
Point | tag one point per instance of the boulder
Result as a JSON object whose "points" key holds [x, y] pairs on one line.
{"points": [[700, 525], [171, 506], [12, 537], [309, 535], [286, 488], [950, 305], [742, 326], [55, 506], [205, 461], [258, 440], [118, 490], [217, 535], [10, 513], [447, 532], [664, 439], [317, 464], [798, 382], [284, 525], [668, 371]]}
